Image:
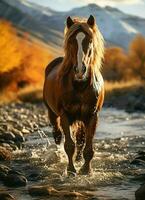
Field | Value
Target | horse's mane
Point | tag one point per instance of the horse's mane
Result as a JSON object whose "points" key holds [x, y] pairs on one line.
{"points": [[98, 43]]}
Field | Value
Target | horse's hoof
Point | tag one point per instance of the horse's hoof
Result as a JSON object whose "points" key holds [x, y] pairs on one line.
{"points": [[71, 174], [85, 171]]}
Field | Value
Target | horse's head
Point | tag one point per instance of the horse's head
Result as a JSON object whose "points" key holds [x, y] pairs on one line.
{"points": [[83, 42]]}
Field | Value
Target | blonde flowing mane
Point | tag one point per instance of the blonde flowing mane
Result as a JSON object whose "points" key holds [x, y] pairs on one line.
{"points": [[98, 45]]}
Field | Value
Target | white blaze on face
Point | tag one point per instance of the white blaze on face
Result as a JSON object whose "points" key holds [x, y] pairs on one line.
{"points": [[80, 36]]}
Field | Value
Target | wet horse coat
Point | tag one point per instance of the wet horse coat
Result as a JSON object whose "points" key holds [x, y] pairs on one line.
{"points": [[74, 90]]}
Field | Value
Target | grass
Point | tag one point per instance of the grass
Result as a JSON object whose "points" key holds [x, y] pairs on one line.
{"points": [[129, 96], [118, 85]]}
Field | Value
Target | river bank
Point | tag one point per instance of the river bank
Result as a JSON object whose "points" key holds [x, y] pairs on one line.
{"points": [[36, 161], [129, 98]]}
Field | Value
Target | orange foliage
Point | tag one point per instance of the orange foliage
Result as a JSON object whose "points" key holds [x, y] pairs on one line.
{"points": [[115, 63], [121, 65], [22, 60], [10, 54], [137, 56]]}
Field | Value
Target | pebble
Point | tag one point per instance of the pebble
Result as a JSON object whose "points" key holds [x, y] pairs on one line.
{"points": [[7, 136], [4, 170], [140, 193], [51, 191], [6, 196], [19, 137], [25, 131], [15, 180], [5, 154], [16, 121]]}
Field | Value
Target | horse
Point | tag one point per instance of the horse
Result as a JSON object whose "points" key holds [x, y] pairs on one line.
{"points": [[74, 91]]}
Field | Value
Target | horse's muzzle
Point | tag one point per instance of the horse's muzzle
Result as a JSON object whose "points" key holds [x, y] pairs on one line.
{"points": [[80, 74]]}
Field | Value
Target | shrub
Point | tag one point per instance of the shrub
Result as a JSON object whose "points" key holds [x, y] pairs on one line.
{"points": [[137, 56], [22, 60]]}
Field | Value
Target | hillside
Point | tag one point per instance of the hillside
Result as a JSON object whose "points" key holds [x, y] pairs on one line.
{"points": [[117, 27]]}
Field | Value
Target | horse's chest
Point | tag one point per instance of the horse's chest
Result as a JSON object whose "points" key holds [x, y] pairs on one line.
{"points": [[79, 107]]}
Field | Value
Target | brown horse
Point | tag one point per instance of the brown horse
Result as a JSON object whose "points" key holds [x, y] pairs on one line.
{"points": [[74, 90]]}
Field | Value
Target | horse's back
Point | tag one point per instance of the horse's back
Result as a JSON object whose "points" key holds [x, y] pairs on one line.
{"points": [[52, 65]]}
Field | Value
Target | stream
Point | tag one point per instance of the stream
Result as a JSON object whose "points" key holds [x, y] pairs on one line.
{"points": [[119, 138]]}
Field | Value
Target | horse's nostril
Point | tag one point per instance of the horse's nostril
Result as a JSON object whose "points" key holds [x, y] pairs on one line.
{"points": [[83, 69]]}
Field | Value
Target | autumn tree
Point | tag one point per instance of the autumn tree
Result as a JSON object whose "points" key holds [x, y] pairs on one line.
{"points": [[10, 54], [115, 64], [137, 56], [21, 60]]}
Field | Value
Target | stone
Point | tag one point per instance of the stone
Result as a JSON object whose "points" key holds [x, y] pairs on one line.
{"points": [[19, 145], [6, 196], [25, 131], [15, 180], [50, 191], [11, 171], [4, 170], [19, 137], [5, 154], [7, 146], [140, 193], [7, 136]]}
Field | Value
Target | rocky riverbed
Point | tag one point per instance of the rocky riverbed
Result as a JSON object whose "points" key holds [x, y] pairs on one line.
{"points": [[33, 167], [17, 120]]}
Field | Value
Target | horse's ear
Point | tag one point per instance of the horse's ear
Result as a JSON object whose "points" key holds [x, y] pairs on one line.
{"points": [[69, 22], [91, 21]]}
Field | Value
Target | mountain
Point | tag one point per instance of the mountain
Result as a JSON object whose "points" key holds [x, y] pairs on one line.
{"points": [[117, 27]]}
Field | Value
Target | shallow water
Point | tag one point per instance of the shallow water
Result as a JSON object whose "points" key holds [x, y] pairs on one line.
{"points": [[118, 139]]}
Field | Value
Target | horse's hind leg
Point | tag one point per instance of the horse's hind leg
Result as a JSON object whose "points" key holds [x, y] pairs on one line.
{"points": [[80, 140], [56, 129]]}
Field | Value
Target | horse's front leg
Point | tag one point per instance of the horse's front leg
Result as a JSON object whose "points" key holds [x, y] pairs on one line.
{"points": [[88, 150], [69, 145]]}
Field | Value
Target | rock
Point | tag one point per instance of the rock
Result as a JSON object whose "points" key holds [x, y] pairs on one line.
{"points": [[7, 146], [34, 176], [140, 193], [11, 171], [19, 145], [139, 159], [7, 136], [6, 196], [25, 131], [19, 127], [15, 180], [41, 190], [5, 154], [50, 191], [4, 170], [1, 140], [14, 147], [19, 137]]}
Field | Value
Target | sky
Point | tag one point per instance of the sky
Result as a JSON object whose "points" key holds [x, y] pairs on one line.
{"points": [[134, 7]]}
